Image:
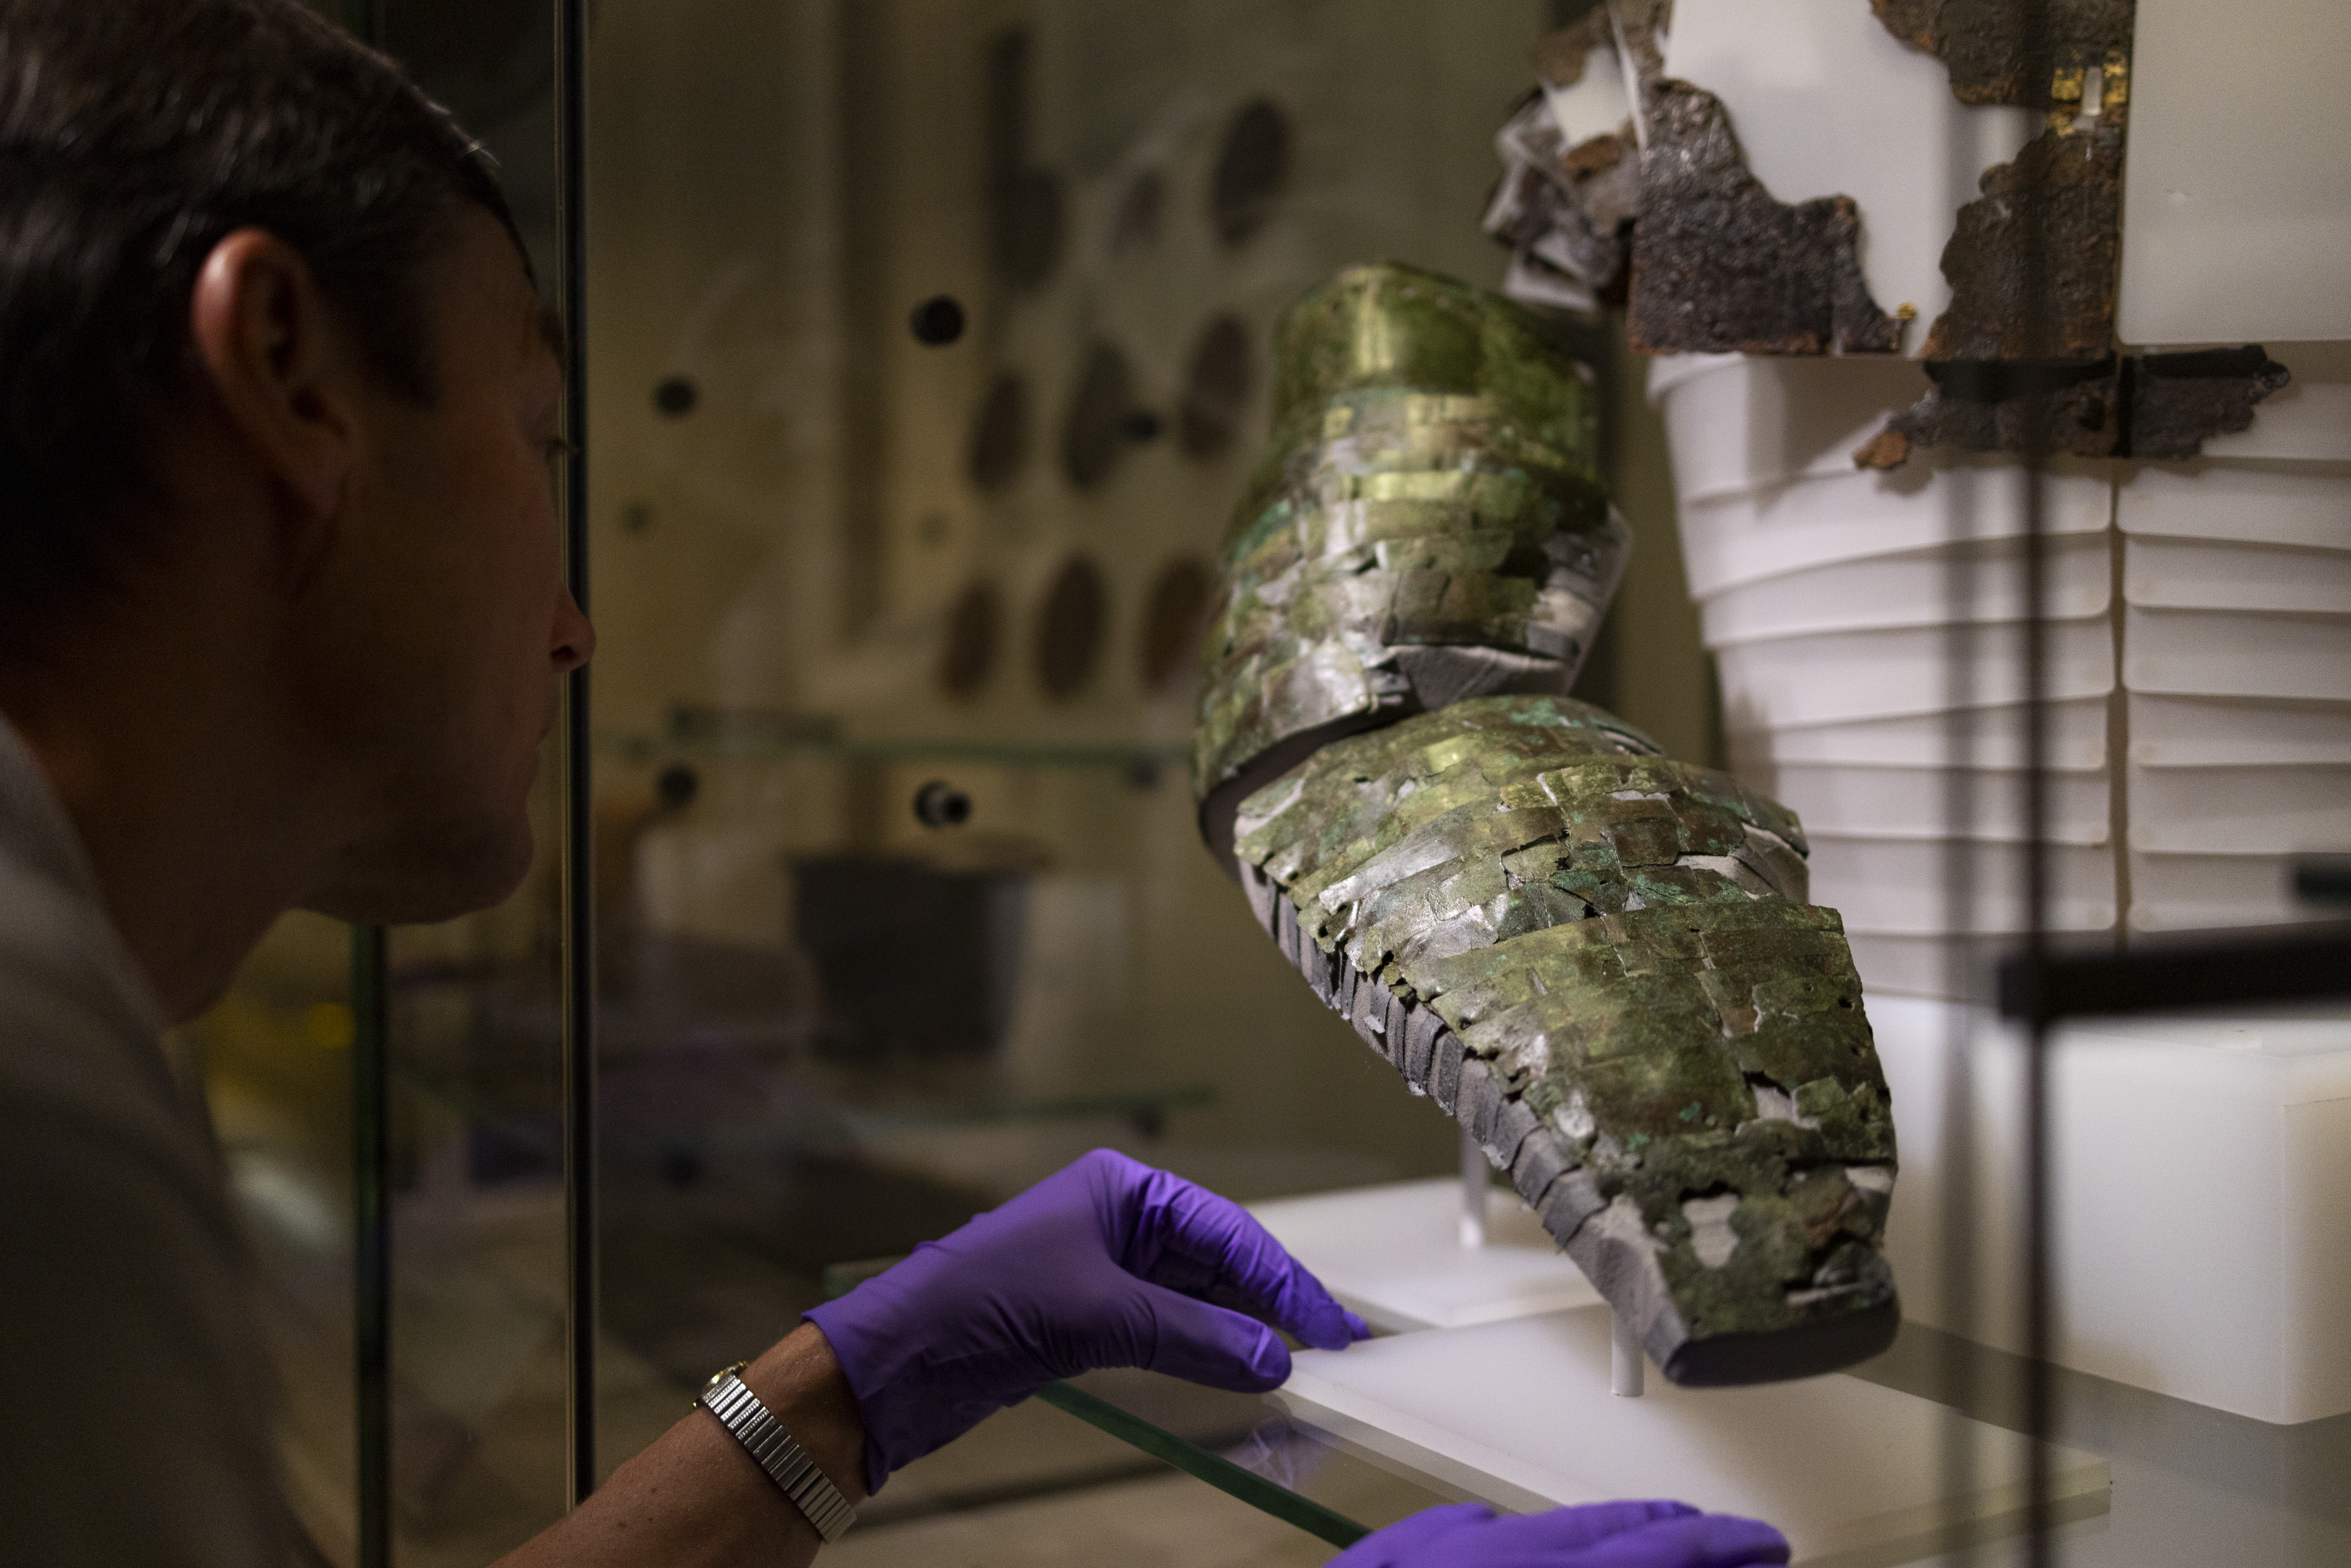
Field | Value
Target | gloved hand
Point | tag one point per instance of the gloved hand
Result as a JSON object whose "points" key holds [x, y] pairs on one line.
{"points": [[1107, 1263], [1597, 1535]]}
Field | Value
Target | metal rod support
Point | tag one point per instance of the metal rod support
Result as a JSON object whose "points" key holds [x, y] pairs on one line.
{"points": [[578, 879], [1628, 1365], [371, 1244], [2038, 1308], [1473, 1192]]}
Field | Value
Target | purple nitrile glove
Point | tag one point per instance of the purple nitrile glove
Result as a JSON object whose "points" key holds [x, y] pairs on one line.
{"points": [[1597, 1535], [1107, 1263]]}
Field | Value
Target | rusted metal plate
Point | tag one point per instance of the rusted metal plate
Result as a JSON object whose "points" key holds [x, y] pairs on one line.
{"points": [[1566, 206], [1639, 25], [1997, 407], [2025, 356], [2056, 211], [1559, 56], [2156, 406], [1988, 45], [2176, 400], [2067, 186], [1716, 262], [1720, 267]]}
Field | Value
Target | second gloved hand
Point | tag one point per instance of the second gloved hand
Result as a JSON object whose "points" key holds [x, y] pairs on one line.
{"points": [[1597, 1535], [1107, 1263]]}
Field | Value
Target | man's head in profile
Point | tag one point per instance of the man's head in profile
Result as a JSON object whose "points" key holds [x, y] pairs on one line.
{"points": [[280, 599]]}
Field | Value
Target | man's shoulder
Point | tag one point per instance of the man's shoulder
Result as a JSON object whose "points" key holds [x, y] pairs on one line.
{"points": [[80, 1050], [122, 1272]]}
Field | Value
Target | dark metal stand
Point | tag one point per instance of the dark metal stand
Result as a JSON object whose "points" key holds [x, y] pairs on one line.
{"points": [[371, 1243], [579, 817]]}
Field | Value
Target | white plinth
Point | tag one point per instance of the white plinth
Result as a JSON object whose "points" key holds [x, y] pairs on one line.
{"points": [[1520, 1414], [1392, 1254], [2201, 1197]]}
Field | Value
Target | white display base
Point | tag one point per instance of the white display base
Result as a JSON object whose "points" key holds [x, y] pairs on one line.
{"points": [[1520, 1414], [1393, 1254], [2201, 1197]]}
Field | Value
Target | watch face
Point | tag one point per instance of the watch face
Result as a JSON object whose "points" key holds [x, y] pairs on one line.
{"points": [[722, 1373]]}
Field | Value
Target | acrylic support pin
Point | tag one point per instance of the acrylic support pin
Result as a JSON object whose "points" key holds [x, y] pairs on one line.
{"points": [[1473, 1192], [1629, 1368]]}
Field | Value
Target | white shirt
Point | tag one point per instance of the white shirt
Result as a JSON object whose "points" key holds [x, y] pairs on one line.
{"points": [[134, 1400]]}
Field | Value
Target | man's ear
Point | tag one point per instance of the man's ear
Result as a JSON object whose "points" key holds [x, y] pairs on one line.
{"points": [[280, 365]]}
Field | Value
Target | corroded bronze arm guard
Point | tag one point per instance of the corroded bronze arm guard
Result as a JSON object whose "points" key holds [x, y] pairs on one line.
{"points": [[1598, 958]]}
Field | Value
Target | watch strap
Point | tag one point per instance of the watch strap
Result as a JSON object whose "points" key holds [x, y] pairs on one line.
{"points": [[787, 1463]]}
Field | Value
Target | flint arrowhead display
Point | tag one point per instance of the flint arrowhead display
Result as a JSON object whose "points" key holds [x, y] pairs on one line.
{"points": [[1599, 959]]}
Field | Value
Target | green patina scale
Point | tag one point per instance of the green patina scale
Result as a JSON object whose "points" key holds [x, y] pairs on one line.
{"points": [[1598, 957], [1431, 484], [1469, 826], [1608, 932]]}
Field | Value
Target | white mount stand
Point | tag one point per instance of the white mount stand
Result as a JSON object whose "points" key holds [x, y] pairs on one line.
{"points": [[1474, 1184], [1628, 1365]]}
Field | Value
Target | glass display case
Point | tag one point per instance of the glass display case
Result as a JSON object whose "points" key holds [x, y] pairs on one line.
{"points": [[926, 350]]}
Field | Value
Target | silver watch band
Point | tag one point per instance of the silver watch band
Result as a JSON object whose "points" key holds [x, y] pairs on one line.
{"points": [[787, 1463]]}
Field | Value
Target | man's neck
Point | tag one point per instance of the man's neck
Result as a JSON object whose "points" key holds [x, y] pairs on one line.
{"points": [[192, 821]]}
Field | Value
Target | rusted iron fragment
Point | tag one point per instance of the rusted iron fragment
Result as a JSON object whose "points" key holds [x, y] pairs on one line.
{"points": [[1990, 47], [1559, 56], [1720, 267], [2177, 401], [1563, 209], [2158, 406], [1997, 406], [1665, 215], [1566, 208], [2034, 263], [2025, 357], [2067, 185], [1641, 24]]}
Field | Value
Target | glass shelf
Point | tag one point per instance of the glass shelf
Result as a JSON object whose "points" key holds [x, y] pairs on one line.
{"points": [[1280, 1467], [1244, 1445]]}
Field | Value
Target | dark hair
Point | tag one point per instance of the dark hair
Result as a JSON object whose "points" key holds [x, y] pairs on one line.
{"points": [[134, 136]]}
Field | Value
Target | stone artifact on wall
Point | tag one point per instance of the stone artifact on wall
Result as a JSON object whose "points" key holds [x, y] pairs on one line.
{"points": [[1599, 959]]}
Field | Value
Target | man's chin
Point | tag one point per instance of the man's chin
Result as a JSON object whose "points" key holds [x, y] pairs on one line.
{"points": [[420, 884]]}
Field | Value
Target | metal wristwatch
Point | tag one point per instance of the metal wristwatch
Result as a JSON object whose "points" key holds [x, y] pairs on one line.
{"points": [[738, 1409]]}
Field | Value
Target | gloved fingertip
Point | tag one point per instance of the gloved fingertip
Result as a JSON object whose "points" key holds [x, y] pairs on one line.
{"points": [[1312, 1314], [1750, 1542], [1706, 1541], [1327, 1333], [1667, 1508], [1271, 1360]]}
